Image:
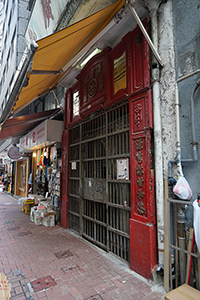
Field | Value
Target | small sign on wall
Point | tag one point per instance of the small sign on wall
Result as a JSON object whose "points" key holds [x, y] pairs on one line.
{"points": [[73, 165], [123, 169]]}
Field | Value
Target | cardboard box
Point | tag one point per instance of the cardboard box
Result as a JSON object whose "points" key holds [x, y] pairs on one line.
{"points": [[5, 287], [45, 221], [48, 221], [183, 292], [52, 221]]}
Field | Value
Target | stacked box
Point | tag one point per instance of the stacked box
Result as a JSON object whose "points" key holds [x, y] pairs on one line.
{"points": [[48, 221], [183, 292]]}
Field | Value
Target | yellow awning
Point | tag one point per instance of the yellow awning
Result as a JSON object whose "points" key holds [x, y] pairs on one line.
{"points": [[56, 50]]}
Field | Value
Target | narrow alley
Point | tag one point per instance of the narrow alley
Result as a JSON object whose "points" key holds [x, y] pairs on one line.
{"points": [[54, 263]]}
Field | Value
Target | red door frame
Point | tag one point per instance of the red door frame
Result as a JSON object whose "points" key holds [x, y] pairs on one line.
{"points": [[143, 236]]}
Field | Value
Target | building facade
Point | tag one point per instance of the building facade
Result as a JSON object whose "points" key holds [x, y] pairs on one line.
{"points": [[15, 15], [131, 118]]}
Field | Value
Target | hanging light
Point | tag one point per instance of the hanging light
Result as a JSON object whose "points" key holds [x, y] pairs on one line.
{"points": [[34, 154]]}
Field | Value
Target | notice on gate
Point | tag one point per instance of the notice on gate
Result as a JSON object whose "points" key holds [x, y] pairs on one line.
{"points": [[94, 189], [123, 169]]}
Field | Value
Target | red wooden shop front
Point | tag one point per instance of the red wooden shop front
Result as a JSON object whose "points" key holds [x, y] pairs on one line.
{"points": [[114, 85]]}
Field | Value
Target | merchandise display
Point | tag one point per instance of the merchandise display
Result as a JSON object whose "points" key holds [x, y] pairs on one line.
{"points": [[46, 183], [54, 189], [40, 210], [40, 180]]}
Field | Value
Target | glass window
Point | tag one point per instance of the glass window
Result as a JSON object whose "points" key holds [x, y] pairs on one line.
{"points": [[38, 106], [6, 97], [7, 9], [9, 22], [49, 102], [22, 177], [120, 73], [14, 40], [30, 5], [76, 104], [8, 59]]}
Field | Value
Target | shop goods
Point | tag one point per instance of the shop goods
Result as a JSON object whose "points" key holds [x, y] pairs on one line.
{"points": [[5, 287], [26, 204], [48, 221], [43, 214]]}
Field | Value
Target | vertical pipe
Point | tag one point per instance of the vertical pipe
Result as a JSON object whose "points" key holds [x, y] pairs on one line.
{"points": [[181, 244], [178, 146], [158, 145], [194, 142]]}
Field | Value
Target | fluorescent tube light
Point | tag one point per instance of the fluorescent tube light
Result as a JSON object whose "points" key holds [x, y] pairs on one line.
{"points": [[93, 53]]}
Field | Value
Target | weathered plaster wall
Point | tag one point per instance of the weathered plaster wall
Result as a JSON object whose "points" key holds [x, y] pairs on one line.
{"points": [[167, 83]]}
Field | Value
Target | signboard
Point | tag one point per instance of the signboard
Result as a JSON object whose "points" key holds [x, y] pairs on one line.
{"points": [[123, 169], [45, 134], [73, 165], [35, 137], [14, 153], [44, 19], [6, 161], [94, 188]]}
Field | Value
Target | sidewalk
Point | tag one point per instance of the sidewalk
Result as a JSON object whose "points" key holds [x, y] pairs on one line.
{"points": [[54, 263]]}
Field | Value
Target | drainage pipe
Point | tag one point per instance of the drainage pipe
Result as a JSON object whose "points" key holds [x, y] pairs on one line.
{"points": [[188, 75], [194, 142], [158, 145], [178, 132]]}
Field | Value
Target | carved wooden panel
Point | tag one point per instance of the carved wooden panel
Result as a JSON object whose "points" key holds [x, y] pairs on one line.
{"points": [[142, 184], [94, 81]]}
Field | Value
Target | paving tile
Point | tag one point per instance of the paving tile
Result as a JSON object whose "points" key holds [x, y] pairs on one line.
{"points": [[79, 269], [95, 297], [63, 254], [43, 283]]}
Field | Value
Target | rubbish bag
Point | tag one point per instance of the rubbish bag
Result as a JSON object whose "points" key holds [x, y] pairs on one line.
{"points": [[196, 223], [182, 189]]}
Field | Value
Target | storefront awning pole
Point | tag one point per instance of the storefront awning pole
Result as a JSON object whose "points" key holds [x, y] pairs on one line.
{"points": [[18, 84], [58, 101], [149, 41]]}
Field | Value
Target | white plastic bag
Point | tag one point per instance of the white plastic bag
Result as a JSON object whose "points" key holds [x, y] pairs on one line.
{"points": [[197, 223], [182, 189]]}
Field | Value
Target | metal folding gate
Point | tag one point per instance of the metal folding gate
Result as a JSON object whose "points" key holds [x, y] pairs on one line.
{"points": [[99, 204]]}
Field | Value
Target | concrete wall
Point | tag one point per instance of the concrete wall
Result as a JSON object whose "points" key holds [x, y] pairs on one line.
{"points": [[167, 81], [187, 48]]}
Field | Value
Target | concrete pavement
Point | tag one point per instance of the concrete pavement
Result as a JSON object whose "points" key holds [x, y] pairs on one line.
{"points": [[54, 263]]}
